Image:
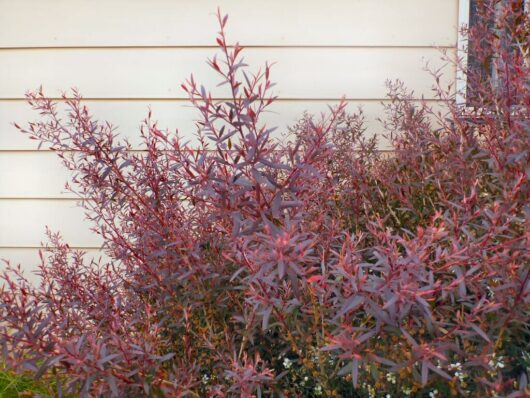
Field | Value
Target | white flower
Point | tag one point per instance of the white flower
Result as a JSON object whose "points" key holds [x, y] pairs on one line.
{"points": [[496, 362], [287, 363], [318, 390], [433, 393], [371, 390], [390, 377], [455, 366]]}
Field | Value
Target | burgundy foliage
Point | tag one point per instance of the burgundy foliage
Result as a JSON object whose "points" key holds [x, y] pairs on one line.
{"points": [[316, 264]]}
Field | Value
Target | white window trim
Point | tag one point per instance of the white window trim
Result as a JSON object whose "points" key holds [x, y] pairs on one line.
{"points": [[461, 78]]}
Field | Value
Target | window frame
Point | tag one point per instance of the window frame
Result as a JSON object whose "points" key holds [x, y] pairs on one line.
{"points": [[464, 12]]}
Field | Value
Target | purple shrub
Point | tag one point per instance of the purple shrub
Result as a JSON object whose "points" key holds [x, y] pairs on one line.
{"points": [[315, 265]]}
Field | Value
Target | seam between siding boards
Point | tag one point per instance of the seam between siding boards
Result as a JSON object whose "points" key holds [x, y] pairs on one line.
{"points": [[21, 151], [186, 99], [200, 47], [52, 247]]}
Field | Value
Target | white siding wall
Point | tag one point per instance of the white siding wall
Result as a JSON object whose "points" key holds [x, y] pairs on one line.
{"points": [[125, 55]]}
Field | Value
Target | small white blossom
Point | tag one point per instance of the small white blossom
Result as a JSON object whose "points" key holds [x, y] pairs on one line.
{"points": [[496, 363], [433, 393], [455, 366], [371, 390], [318, 390], [287, 363]]}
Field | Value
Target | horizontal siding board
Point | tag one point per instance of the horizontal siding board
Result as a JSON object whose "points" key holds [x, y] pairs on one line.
{"points": [[45, 23], [23, 222], [356, 73], [128, 115], [40, 174], [32, 174], [29, 260]]}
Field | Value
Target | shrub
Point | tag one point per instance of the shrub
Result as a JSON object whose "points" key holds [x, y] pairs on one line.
{"points": [[315, 265]]}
